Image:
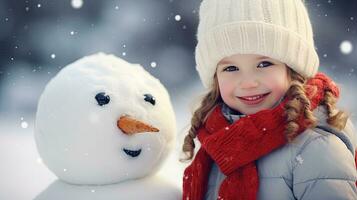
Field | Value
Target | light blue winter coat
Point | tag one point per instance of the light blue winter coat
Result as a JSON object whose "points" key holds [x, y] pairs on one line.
{"points": [[319, 164]]}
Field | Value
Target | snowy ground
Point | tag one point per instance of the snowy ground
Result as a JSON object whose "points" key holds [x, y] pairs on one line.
{"points": [[23, 175]]}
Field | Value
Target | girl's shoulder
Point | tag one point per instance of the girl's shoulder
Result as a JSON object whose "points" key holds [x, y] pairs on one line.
{"points": [[324, 132], [318, 154], [324, 152]]}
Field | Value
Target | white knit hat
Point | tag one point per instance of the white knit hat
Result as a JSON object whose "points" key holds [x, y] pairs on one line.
{"points": [[280, 29]]}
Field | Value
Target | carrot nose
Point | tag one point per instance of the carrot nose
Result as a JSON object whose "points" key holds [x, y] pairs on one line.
{"points": [[131, 126]]}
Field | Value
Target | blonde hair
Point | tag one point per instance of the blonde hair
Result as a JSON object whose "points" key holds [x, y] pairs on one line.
{"points": [[299, 104]]}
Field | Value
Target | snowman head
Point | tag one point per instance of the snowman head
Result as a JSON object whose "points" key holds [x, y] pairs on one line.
{"points": [[102, 120]]}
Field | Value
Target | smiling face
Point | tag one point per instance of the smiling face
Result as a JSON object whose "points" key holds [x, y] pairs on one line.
{"points": [[102, 120], [250, 83]]}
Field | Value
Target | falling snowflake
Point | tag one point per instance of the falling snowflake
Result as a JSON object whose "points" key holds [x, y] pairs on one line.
{"points": [[77, 4], [177, 17], [53, 56], [346, 47], [24, 125], [299, 159], [153, 64]]}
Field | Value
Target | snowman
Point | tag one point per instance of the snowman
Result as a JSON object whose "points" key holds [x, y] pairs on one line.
{"points": [[104, 127]]}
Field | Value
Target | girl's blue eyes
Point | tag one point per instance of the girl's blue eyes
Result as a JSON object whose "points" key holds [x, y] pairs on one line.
{"points": [[234, 68], [230, 69], [267, 64]]}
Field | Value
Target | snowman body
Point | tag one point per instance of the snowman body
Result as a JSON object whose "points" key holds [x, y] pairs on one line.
{"points": [[148, 188], [106, 124]]}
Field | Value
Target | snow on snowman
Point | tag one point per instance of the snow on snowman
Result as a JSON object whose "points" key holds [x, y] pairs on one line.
{"points": [[104, 127]]}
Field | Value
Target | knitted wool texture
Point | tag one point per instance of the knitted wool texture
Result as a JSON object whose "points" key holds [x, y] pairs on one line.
{"points": [[280, 29]]}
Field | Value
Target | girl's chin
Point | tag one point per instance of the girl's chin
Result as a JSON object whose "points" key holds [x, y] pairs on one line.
{"points": [[247, 110], [251, 111]]}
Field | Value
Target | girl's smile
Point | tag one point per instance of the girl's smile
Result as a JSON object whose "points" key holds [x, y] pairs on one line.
{"points": [[254, 99], [249, 83]]}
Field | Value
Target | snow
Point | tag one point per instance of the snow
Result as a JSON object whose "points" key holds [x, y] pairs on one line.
{"points": [[177, 17], [153, 64], [58, 127], [19, 167], [59, 190], [299, 159], [18, 149], [77, 4], [346, 47], [24, 124], [85, 148]]}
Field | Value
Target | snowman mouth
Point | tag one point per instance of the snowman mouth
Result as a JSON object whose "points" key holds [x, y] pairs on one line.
{"points": [[132, 153]]}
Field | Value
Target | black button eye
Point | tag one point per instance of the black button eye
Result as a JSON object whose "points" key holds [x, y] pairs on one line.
{"points": [[102, 99], [149, 98]]}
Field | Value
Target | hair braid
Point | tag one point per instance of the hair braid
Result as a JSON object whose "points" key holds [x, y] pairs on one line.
{"points": [[298, 104], [208, 103], [335, 118]]}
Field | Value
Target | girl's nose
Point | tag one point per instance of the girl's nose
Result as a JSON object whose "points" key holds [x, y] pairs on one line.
{"points": [[248, 83]]}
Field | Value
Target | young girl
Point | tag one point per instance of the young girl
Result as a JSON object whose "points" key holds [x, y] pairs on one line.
{"points": [[268, 127]]}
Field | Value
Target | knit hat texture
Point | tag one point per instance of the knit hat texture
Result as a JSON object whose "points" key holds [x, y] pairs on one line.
{"points": [[279, 29]]}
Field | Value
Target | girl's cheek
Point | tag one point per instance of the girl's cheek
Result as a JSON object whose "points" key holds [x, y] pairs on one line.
{"points": [[226, 88], [277, 84]]}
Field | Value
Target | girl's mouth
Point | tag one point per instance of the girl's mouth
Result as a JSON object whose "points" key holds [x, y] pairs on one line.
{"points": [[253, 100]]}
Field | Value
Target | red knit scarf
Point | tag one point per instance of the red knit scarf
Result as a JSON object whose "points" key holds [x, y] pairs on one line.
{"points": [[236, 147]]}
